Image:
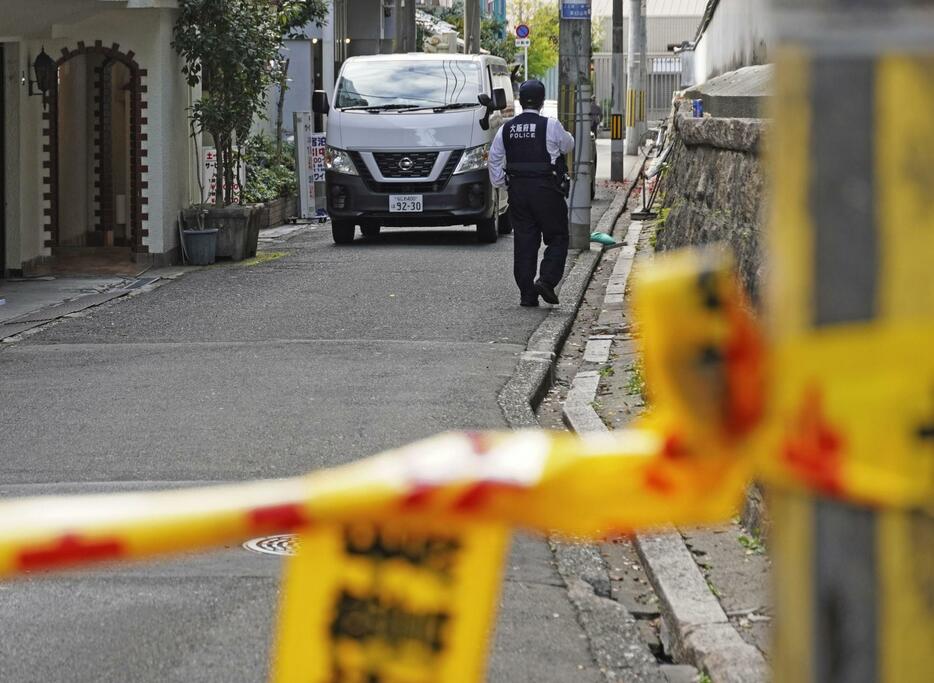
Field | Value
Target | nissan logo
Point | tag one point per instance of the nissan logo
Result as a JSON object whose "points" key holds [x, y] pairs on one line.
{"points": [[406, 164]]}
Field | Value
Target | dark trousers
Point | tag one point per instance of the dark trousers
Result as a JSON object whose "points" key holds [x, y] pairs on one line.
{"points": [[538, 211]]}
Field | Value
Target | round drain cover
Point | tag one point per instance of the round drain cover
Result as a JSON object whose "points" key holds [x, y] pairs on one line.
{"points": [[281, 544]]}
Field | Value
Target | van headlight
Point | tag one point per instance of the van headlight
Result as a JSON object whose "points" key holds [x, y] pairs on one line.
{"points": [[474, 159], [339, 161]]}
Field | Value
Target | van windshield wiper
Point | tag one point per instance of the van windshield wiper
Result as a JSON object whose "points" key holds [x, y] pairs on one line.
{"points": [[453, 105], [381, 107]]}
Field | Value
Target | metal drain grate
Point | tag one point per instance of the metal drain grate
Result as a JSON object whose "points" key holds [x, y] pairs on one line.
{"points": [[281, 544]]}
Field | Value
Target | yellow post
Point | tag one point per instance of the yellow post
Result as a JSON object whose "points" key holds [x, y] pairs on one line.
{"points": [[852, 320]]}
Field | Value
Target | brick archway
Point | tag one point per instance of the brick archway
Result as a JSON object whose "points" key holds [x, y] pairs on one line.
{"points": [[137, 199]]}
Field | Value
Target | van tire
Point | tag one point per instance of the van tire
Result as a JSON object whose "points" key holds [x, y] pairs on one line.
{"points": [[370, 230], [343, 231], [505, 224], [486, 230]]}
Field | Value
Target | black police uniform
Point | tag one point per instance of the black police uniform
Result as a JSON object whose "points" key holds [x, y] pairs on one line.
{"points": [[537, 207]]}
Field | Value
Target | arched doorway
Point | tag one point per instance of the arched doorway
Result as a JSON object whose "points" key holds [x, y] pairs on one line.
{"points": [[95, 155]]}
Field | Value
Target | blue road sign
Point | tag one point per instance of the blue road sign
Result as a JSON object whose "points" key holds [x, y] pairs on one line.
{"points": [[522, 31], [575, 9]]}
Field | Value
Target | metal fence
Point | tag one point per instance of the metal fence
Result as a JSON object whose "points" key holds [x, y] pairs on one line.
{"points": [[664, 78], [664, 71]]}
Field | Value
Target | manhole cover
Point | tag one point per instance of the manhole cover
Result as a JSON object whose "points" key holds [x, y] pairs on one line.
{"points": [[281, 544]]}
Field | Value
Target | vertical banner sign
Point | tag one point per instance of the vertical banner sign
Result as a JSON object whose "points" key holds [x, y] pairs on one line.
{"points": [[367, 602], [209, 175], [318, 140], [575, 9], [309, 161], [304, 153]]}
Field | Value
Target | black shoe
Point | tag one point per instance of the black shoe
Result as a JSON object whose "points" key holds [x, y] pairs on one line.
{"points": [[547, 292], [529, 303]]}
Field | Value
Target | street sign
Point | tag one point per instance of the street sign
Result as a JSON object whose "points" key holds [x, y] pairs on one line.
{"points": [[523, 31], [575, 9], [523, 42], [309, 152]]}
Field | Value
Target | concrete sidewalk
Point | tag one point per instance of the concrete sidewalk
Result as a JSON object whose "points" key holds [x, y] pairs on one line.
{"points": [[31, 302], [698, 596]]}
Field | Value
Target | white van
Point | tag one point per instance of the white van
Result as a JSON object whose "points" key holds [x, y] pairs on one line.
{"points": [[407, 142]]}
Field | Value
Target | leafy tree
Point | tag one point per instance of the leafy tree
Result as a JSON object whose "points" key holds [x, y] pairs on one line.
{"points": [[543, 18], [232, 48], [543, 52]]}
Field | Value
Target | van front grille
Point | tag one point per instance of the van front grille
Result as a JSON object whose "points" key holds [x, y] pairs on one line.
{"points": [[405, 164], [407, 188]]}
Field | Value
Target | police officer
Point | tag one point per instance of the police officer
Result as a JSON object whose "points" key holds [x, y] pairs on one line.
{"points": [[527, 156]]}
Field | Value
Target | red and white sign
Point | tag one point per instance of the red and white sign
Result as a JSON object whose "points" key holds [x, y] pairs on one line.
{"points": [[209, 175]]}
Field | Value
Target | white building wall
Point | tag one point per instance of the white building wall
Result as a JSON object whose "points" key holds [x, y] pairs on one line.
{"points": [[13, 169], [28, 183], [738, 36], [147, 33]]}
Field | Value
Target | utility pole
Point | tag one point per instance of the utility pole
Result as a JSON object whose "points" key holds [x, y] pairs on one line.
{"points": [[635, 80], [850, 243], [575, 90], [404, 13], [617, 130], [471, 27]]}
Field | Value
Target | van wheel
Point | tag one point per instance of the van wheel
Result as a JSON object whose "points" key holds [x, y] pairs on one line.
{"points": [[486, 230], [505, 224], [343, 231], [370, 230]]}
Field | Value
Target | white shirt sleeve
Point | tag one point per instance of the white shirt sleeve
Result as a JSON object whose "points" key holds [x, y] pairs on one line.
{"points": [[557, 140], [496, 162]]}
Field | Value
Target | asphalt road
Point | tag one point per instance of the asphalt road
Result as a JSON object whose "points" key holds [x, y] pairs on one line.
{"points": [[318, 358]]}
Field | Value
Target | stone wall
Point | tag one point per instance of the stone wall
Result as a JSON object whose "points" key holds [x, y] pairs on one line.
{"points": [[713, 189]]}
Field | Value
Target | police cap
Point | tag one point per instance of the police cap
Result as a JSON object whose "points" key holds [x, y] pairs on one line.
{"points": [[532, 94]]}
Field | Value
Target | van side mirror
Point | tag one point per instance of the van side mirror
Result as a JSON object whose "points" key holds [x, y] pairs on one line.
{"points": [[484, 99], [319, 102], [499, 99]]}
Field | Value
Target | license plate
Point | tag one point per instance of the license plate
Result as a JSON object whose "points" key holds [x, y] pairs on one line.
{"points": [[405, 203]]}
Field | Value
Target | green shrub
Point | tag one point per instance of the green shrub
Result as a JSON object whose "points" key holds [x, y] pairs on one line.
{"points": [[268, 177]]}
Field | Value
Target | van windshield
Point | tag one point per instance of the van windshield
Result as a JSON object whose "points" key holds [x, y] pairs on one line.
{"points": [[399, 84]]}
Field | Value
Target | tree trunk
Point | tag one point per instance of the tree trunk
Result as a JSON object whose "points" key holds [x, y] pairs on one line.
{"points": [[280, 106], [220, 170], [229, 167]]}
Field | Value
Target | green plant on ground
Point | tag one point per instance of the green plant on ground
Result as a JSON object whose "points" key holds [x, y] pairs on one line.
{"points": [[635, 384], [607, 371], [704, 678], [753, 544], [268, 176]]}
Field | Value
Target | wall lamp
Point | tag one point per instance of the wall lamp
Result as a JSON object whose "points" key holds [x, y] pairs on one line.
{"points": [[46, 72]]}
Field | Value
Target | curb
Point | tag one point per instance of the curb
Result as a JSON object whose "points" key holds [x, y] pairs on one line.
{"points": [[611, 630], [695, 629], [534, 372]]}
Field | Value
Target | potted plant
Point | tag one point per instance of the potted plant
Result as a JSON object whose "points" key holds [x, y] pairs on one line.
{"points": [[232, 49]]}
